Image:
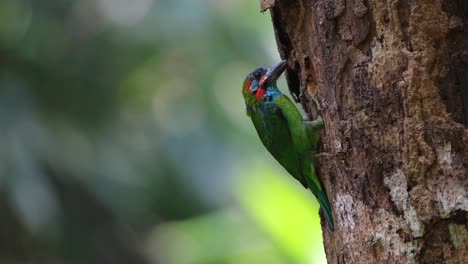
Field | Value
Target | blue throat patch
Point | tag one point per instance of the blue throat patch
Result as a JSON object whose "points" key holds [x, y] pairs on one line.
{"points": [[271, 94]]}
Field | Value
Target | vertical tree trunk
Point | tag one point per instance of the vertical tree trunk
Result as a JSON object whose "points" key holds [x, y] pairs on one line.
{"points": [[391, 77]]}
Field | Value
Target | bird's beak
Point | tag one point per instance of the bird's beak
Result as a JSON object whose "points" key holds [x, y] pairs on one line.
{"points": [[273, 73]]}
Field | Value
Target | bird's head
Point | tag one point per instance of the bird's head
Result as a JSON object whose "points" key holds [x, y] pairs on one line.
{"points": [[257, 82]]}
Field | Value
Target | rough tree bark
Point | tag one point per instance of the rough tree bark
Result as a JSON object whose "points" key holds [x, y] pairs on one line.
{"points": [[391, 77]]}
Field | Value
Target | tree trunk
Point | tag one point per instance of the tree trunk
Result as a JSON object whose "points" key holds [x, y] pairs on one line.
{"points": [[391, 78]]}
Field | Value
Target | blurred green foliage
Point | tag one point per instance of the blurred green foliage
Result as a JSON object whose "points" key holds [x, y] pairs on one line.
{"points": [[124, 138]]}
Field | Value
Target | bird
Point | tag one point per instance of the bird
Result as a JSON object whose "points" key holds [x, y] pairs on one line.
{"points": [[289, 138]]}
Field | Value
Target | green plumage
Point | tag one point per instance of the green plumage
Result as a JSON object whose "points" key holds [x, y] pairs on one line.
{"points": [[281, 128]]}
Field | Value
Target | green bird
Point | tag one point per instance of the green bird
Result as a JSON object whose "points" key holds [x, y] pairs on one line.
{"points": [[286, 135]]}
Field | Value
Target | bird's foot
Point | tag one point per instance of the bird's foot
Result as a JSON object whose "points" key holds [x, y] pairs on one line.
{"points": [[317, 123]]}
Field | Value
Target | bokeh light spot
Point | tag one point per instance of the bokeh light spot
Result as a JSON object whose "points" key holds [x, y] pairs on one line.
{"points": [[125, 12]]}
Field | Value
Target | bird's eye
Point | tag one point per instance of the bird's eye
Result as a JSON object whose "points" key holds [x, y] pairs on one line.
{"points": [[257, 75]]}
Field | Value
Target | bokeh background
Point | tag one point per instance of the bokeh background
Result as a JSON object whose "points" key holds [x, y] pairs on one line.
{"points": [[124, 139]]}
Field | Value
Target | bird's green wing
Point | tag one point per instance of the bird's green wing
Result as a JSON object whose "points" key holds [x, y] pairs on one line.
{"points": [[299, 135], [271, 125]]}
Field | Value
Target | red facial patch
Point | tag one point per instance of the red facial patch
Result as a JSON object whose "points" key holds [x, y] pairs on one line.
{"points": [[247, 85], [262, 80], [260, 93]]}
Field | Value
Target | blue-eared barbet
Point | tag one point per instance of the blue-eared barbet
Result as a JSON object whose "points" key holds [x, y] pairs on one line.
{"points": [[286, 135]]}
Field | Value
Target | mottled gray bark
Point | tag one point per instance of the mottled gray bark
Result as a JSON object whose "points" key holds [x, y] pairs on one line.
{"points": [[391, 77]]}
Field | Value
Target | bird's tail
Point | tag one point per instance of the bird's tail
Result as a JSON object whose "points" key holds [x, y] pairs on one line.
{"points": [[314, 186], [326, 208]]}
